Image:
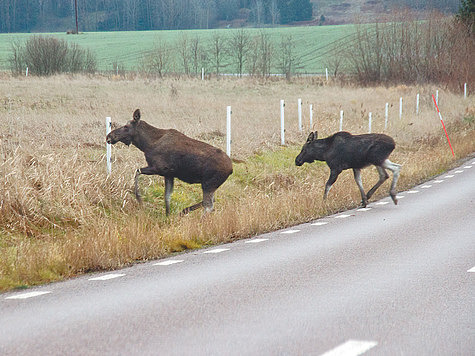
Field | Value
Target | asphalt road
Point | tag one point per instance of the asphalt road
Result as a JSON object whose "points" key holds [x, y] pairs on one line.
{"points": [[390, 280]]}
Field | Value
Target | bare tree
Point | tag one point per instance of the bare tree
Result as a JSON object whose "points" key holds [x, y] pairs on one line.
{"points": [[238, 48], [198, 56], [159, 60], [259, 55], [266, 53], [274, 12], [288, 61], [217, 51], [258, 9], [184, 52]]}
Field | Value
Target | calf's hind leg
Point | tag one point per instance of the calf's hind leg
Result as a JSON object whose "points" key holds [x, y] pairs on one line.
{"points": [[395, 168], [383, 175]]}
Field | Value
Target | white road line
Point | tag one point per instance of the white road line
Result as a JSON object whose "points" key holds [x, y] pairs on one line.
{"points": [[459, 171], [471, 270], [467, 167], [255, 241], [167, 263], [217, 250], [351, 348], [342, 216], [385, 202], [289, 231], [363, 209], [319, 223], [399, 197], [449, 176], [413, 192], [438, 181], [107, 277], [426, 186], [27, 295]]}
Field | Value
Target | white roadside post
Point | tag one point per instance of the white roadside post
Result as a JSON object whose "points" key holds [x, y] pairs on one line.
{"points": [[437, 97], [465, 91], [311, 116], [202, 74], [26, 73], [369, 122], [400, 108], [108, 145], [228, 131], [326, 73], [299, 108], [417, 104], [341, 120], [386, 114], [282, 125]]}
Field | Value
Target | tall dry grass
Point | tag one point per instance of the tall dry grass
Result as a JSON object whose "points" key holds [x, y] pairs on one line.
{"points": [[60, 214]]}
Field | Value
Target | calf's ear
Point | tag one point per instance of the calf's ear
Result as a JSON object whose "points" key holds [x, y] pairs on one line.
{"points": [[311, 137], [137, 115], [316, 135]]}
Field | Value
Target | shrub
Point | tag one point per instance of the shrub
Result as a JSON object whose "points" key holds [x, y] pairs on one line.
{"points": [[47, 55], [409, 51]]}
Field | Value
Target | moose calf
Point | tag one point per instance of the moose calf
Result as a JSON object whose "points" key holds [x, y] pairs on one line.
{"points": [[343, 150], [171, 154]]}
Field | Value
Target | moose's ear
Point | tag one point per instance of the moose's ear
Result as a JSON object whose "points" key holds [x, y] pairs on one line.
{"points": [[311, 137], [316, 135], [137, 115]]}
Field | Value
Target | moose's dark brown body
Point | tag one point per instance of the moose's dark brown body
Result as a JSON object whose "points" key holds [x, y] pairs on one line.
{"points": [[171, 154], [343, 151]]}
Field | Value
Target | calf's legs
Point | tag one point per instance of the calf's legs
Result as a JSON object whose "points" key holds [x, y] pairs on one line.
{"points": [[334, 173], [395, 168], [359, 183]]}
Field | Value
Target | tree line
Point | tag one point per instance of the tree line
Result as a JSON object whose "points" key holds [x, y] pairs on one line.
{"points": [[111, 15], [239, 52]]}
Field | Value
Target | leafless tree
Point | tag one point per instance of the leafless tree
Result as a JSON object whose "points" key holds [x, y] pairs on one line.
{"points": [[238, 48]]}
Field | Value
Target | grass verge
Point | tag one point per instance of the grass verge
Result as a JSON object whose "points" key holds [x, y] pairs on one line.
{"points": [[61, 215]]}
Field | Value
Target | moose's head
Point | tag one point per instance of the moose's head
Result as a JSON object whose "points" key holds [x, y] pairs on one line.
{"points": [[312, 150], [125, 133]]}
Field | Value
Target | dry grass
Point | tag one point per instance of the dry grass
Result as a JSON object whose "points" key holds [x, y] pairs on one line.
{"points": [[61, 215]]}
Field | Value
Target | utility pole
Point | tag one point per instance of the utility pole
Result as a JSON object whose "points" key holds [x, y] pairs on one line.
{"points": [[76, 10]]}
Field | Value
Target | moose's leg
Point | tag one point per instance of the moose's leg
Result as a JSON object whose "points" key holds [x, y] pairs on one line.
{"points": [[359, 183], [145, 170], [168, 193], [191, 208], [334, 173], [136, 187], [395, 168], [208, 201], [383, 175]]}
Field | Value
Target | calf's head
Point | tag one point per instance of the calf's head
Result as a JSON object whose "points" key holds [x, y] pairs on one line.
{"points": [[125, 133], [312, 150]]}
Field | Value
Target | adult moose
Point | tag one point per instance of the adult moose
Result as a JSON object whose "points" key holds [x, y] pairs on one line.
{"points": [[171, 154], [343, 151]]}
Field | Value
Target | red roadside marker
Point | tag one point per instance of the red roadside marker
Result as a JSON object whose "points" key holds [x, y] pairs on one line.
{"points": [[442, 121]]}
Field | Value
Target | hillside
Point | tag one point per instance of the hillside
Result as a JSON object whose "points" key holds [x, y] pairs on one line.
{"points": [[132, 15], [340, 12]]}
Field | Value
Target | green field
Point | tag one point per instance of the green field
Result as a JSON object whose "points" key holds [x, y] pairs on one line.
{"points": [[126, 49]]}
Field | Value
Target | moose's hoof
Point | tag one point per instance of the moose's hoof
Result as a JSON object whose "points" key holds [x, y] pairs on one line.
{"points": [[393, 197]]}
